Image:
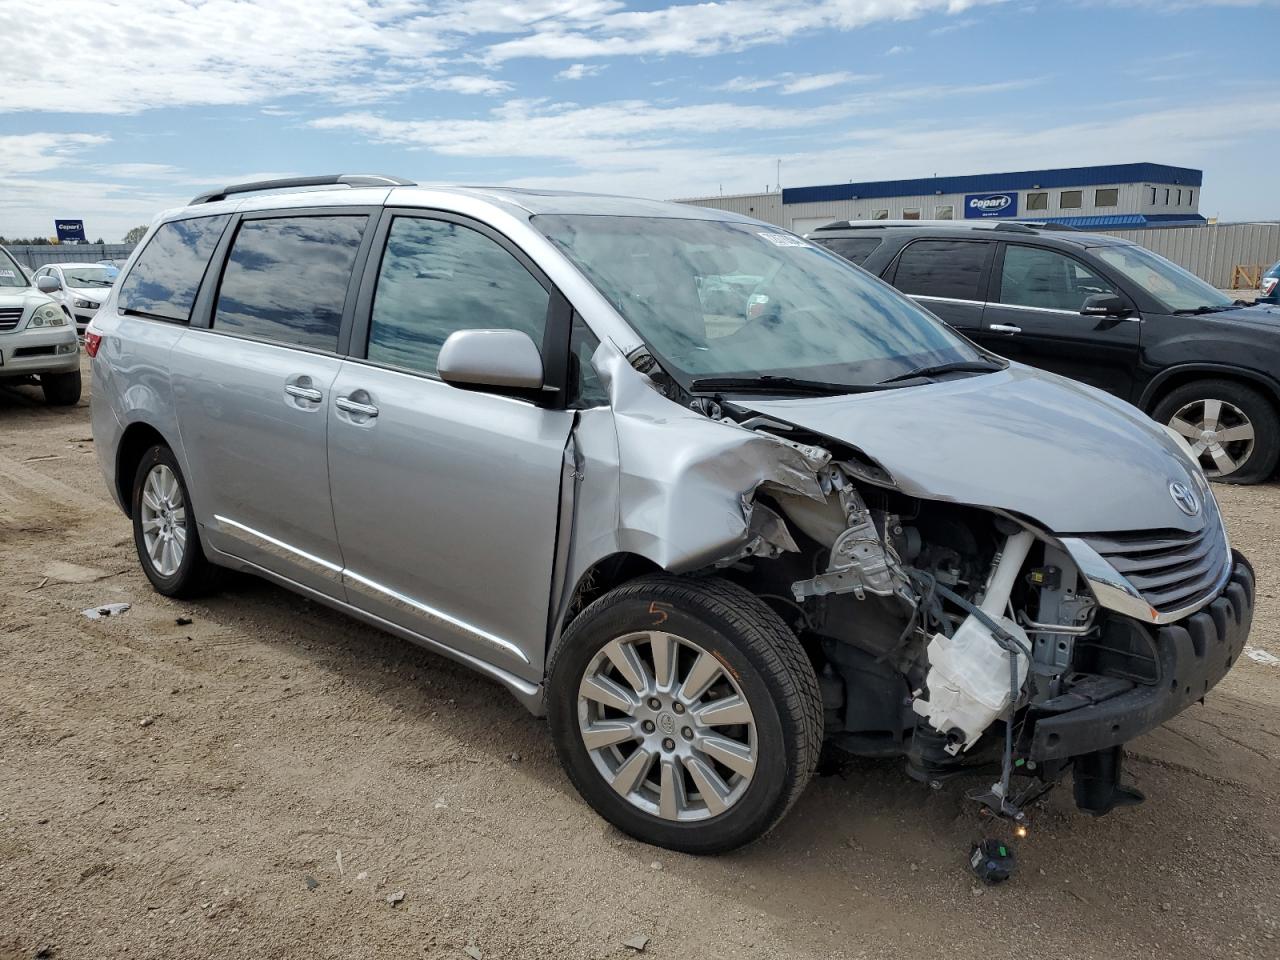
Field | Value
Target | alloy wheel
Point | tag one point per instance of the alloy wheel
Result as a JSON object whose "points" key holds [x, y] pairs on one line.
{"points": [[1220, 434], [164, 520], [667, 726]]}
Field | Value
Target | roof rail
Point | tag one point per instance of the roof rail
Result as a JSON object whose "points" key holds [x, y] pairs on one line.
{"points": [[329, 180]]}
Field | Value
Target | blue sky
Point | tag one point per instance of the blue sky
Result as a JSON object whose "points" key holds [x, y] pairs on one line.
{"points": [[139, 104]]}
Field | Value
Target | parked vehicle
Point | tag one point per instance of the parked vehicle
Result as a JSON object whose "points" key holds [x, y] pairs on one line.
{"points": [[501, 424], [37, 340], [1270, 288], [1101, 310], [82, 288]]}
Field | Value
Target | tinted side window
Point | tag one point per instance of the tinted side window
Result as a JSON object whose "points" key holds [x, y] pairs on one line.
{"points": [[1033, 277], [943, 268], [286, 279], [438, 277], [853, 249], [167, 274]]}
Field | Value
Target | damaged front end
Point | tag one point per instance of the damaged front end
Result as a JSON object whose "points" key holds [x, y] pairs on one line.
{"points": [[954, 632]]}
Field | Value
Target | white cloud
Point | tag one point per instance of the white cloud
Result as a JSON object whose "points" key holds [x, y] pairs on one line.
{"points": [[37, 152], [704, 29], [897, 49], [459, 83], [792, 83], [576, 71]]}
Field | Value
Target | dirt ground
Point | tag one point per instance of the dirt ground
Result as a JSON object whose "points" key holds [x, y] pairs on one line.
{"points": [[263, 781]]}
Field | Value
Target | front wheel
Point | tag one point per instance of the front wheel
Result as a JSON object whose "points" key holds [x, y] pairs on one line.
{"points": [[685, 712], [1233, 429], [61, 389]]}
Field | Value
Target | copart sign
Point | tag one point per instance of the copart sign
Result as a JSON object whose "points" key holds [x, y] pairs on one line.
{"points": [[979, 206]]}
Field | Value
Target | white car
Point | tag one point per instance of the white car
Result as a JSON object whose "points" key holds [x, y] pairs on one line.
{"points": [[83, 288], [37, 340]]}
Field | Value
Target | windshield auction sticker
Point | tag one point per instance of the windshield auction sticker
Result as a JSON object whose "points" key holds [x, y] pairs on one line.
{"points": [[784, 240]]}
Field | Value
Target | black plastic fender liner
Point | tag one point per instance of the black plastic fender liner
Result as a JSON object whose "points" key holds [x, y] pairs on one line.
{"points": [[1194, 654]]}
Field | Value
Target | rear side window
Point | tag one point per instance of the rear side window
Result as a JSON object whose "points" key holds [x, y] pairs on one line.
{"points": [[943, 268], [853, 249], [286, 279], [439, 277], [167, 274]]}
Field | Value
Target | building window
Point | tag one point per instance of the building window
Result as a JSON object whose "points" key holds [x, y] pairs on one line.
{"points": [[944, 212], [1071, 199], [911, 213], [1167, 191], [1191, 198], [880, 215], [1151, 199], [1179, 198], [1110, 197], [1038, 201]]}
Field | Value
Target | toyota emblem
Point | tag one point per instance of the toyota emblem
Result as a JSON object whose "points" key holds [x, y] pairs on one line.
{"points": [[1185, 498]]}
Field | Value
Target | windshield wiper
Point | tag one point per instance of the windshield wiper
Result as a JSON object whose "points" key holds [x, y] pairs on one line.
{"points": [[769, 383], [1198, 311], [956, 366]]}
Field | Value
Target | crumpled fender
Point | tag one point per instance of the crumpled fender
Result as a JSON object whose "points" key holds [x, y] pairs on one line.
{"points": [[668, 483]]}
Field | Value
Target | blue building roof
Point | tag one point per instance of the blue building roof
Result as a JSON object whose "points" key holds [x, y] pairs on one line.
{"points": [[994, 182], [1125, 221]]}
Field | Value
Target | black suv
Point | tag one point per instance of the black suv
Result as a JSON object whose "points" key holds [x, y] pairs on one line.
{"points": [[1101, 310]]}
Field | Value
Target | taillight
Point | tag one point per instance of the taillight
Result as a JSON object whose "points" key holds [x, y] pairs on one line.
{"points": [[1268, 285], [92, 341]]}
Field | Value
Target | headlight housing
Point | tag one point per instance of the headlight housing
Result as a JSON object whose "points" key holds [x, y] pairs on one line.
{"points": [[48, 315], [86, 304]]}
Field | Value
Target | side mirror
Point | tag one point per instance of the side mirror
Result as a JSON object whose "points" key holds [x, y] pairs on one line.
{"points": [[1106, 305], [504, 360], [47, 284]]}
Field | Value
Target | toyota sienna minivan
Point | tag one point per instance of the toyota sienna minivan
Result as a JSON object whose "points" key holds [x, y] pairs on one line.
{"points": [[703, 535]]}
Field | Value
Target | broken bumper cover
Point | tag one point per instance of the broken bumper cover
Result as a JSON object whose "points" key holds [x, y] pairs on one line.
{"points": [[1193, 655]]}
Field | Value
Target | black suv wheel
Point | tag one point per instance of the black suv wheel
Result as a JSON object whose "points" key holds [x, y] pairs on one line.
{"points": [[1232, 428]]}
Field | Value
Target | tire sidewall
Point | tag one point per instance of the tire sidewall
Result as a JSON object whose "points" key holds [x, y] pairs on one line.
{"points": [[1263, 416], [607, 619], [187, 569]]}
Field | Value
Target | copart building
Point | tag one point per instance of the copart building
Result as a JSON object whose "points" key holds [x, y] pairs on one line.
{"points": [[1125, 196]]}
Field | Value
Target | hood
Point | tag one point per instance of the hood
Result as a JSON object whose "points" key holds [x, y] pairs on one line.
{"points": [[1066, 455], [23, 297], [1259, 316], [96, 294]]}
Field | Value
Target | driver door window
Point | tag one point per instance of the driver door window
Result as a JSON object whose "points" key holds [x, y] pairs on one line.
{"points": [[1032, 277]]}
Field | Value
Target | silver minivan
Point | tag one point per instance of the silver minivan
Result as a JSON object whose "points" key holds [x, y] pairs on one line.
{"points": [[704, 493]]}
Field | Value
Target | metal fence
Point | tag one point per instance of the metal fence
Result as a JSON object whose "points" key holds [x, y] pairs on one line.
{"points": [[37, 255], [1214, 252]]}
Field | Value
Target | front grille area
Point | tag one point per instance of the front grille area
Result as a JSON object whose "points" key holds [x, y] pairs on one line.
{"points": [[48, 351], [1172, 569], [10, 317]]}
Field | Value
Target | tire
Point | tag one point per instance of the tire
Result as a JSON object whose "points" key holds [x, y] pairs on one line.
{"points": [[192, 575], [61, 389], [720, 629], [1232, 407]]}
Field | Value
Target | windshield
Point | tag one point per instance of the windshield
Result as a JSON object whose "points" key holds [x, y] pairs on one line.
{"points": [[717, 299], [1175, 288], [89, 276], [11, 275]]}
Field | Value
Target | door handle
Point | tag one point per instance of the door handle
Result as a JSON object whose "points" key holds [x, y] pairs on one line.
{"points": [[1005, 328], [355, 406], [303, 393]]}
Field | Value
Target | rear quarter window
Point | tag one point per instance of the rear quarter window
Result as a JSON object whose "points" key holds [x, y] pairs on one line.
{"points": [[167, 274], [854, 249]]}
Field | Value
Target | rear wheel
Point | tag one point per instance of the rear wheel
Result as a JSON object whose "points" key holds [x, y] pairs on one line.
{"points": [[164, 528], [685, 712], [61, 389], [1233, 429]]}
